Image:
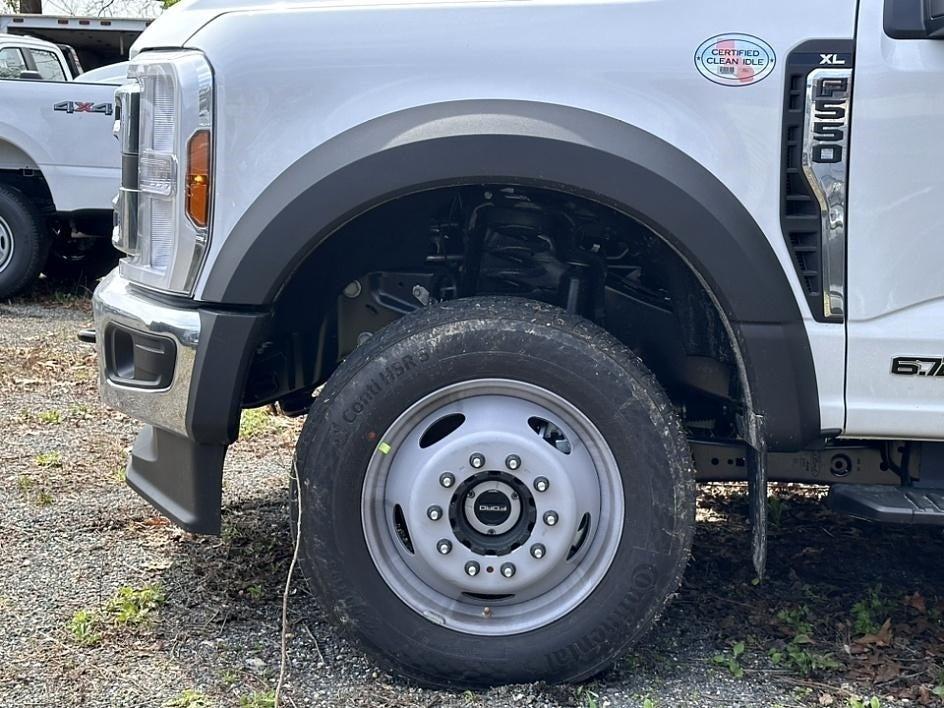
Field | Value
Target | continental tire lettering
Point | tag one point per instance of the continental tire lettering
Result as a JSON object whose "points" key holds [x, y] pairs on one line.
{"points": [[375, 386], [643, 582]]}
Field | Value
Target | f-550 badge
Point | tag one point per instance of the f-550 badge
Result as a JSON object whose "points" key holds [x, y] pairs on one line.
{"points": [[825, 155], [84, 107], [918, 366]]}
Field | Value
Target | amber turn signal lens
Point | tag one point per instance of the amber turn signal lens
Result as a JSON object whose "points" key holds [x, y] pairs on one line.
{"points": [[198, 178]]}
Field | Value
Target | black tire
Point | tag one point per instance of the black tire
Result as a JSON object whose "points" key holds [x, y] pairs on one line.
{"points": [[30, 239], [511, 339]]}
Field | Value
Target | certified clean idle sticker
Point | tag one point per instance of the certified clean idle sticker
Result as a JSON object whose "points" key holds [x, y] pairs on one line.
{"points": [[735, 59]]}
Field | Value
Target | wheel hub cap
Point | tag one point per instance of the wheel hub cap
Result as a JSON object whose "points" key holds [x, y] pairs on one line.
{"points": [[492, 509], [6, 244], [498, 511], [492, 513]]}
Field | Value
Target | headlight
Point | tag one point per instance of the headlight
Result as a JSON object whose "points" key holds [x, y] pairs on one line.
{"points": [[166, 130]]}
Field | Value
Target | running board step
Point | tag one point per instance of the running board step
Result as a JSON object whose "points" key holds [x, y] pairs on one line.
{"points": [[890, 504]]}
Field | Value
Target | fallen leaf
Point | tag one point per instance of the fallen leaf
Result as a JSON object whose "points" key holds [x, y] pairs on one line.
{"points": [[916, 602], [887, 671], [882, 638]]}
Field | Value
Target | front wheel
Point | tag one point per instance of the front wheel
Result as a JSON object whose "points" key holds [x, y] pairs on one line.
{"points": [[494, 491]]}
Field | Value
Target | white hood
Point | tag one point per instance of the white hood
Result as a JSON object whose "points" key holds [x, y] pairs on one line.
{"points": [[174, 28]]}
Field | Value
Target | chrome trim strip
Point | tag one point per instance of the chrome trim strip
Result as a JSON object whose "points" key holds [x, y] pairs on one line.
{"points": [[115, 301], [825, 164]]}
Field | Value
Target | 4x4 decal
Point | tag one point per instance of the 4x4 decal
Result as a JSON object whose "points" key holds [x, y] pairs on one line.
{"points": [[84, 107]]}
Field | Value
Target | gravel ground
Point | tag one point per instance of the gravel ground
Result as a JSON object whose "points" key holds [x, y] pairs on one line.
{"points": [[105, 604]]}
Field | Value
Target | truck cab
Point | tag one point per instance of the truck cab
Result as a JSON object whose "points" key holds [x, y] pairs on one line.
{"points": [[31, 58], [529, 287]]}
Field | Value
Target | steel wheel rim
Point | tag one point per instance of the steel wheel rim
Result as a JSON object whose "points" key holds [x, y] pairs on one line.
{"points": [[583, 485], [6, 244]]}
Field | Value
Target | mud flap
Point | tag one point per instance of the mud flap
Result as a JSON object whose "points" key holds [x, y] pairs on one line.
{"points": [[180, 478], [757, 501]]}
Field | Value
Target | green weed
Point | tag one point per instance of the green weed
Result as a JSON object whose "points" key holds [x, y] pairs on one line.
{"points": [[48, 459], [869, 613], [258, 699], [131, 606], [188, 698], [856, 702], [51, 417], [83, 627], [255, 421], [732, 660]]}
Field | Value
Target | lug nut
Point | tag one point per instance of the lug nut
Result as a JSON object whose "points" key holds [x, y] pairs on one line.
{"points": [[472, 569], [512, 462], [352, 290], [550, 518], [507, 569], [434, 513], [477, 460], [538, 551], [447, 479], [541, 484], [444, 546]]}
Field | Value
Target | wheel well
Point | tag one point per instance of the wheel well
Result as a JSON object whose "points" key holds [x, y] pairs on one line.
{"points": [[502, 239], [32, 184]]}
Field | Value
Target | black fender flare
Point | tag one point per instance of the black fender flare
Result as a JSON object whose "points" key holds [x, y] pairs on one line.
{"points": [[604, 159]]}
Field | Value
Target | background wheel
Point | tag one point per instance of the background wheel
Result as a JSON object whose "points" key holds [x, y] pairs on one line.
{"points": [[82, 260], [24, 242], [493, 479]]}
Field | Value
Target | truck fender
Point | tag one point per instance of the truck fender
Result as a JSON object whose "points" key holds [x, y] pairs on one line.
{"points": [[13, 157], [528, 143]]}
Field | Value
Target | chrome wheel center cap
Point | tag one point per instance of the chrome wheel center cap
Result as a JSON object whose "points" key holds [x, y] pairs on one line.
{"points": [[492, 507]]}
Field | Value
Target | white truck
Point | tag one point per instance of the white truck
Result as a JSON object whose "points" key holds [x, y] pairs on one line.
{"points": [[59, 166], [546, 265], [88, 42]]}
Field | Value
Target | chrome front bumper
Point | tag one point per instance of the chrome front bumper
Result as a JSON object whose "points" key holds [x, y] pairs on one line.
{"points": [[116, 303]]}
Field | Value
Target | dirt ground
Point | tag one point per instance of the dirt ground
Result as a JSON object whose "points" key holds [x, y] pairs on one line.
{"points": [[103, 603]]}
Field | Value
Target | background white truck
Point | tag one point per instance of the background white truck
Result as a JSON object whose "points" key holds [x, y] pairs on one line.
{"points": [[59, 168], [542, 256], [93, 41], [59, 162]]}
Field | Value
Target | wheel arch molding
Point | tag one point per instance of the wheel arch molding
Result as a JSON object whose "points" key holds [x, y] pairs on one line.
{"points": [[567, 149]]}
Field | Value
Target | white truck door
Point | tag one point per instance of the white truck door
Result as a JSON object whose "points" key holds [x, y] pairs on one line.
{"points": [[895, 378]]}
